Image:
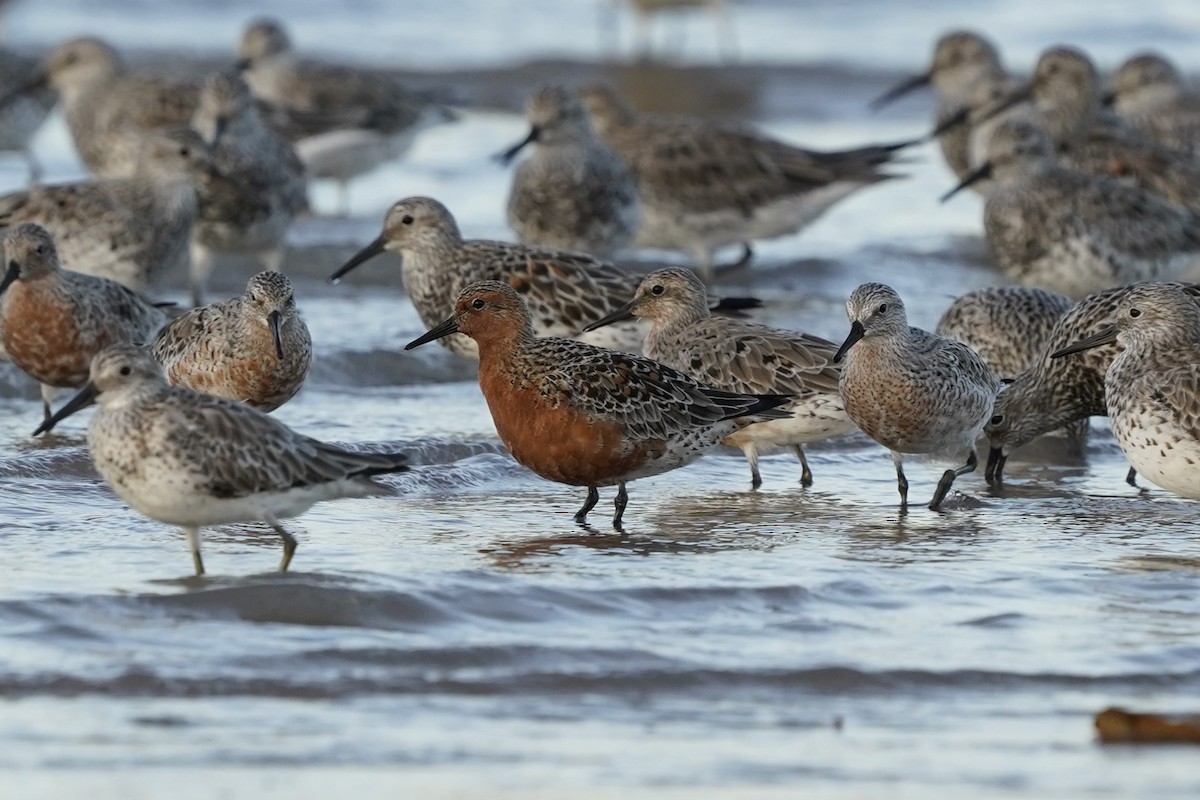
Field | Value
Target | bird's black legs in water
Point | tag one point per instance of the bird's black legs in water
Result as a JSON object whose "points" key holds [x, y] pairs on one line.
{"points": [[593, 497], [193, 537], [901, 481], [948, 480], [744, 261], [619, 504], [289, 543], [805, 472], [1131, 478]]}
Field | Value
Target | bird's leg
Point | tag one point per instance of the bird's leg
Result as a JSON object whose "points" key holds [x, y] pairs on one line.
{"points": [[948, 480], [1131, 478], [593, 497], [901, 481], [203, 260], [619, 503], [193, 537], [289, 542], [742, 262], [805, 472], [751, 453], [47, 395]]}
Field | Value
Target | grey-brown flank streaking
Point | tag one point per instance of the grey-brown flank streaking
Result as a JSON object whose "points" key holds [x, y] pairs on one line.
{"points": [[910, 390], [190, 459], [585, 415], [52, 320], [1061, 229], [702, 185], [253, 349], [1152, 387], [572, 192], [743, 357]]}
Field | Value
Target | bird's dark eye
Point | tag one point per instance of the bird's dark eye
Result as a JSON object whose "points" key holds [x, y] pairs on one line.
{"points": [[882, 308], [1135, 312], [996, 419], [478, 303], [657, 289], [41, 250], [125, 370], [183, 151], [407, 219]]}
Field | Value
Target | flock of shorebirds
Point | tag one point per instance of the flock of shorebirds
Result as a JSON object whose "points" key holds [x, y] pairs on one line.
{"points": [[594, 376]]}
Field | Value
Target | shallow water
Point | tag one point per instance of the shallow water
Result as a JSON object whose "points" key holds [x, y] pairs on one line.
{"points": [[465, 638]]}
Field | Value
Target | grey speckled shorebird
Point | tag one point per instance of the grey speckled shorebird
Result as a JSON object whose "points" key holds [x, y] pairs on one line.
{"points": [[24, 113], [564, 291], [704, 185], [1152, 387], [1053, 392], [572, 192], [742, 357], [961, 59], [1008, 326], [132, 230], [910, 390], [1057, 228], [1150, 95], [108, 110], [52, 321], [253, 215], [343, 121], [189, 459], [254, 349], [585, 415]]}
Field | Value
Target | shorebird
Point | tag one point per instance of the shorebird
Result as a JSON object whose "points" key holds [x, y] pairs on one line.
{"points": [[23, 115], [702, 186], [343, 121], [741, 357], [572, 192], [52, 321], [963, 61], [1052, 392], [131, 230], [252, 216], [910, 390], [584, 415], [1057, 228], [106, 109], [563, 290], [189, 459], [1150, 95], [254, 349], [1150, 389]]}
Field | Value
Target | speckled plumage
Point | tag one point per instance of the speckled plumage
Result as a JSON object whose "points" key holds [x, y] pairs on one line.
{"points": [[563, 291], [230, 349], [585, 415], [189, 459], [22, 114], [703, 185], [343, 121], [910, 390], [742, 357], [108, 110], [252, 215], [571, 192], [54, 320], [1054, 392], [1057, 228], [131, 230], [1152, 387], [1150, 95]]}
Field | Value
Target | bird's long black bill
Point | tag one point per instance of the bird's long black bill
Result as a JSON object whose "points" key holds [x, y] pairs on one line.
{"points": [[1106, 336], [84, 398], [994, 473], [508, 155], [982, 172], [857, 331], [274, 321], [444, 329], [361, 257], [11, 274], [951, 122], [1024, 94], [622, 313], [899, 90], [39, 81]]}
